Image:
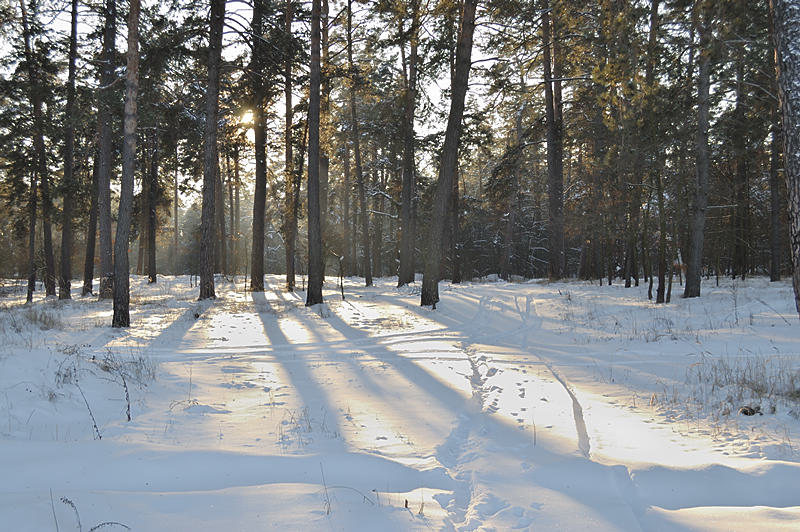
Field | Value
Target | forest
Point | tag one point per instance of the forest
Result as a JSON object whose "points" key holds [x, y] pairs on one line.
{"points": [[399, 265], [623, 141]]}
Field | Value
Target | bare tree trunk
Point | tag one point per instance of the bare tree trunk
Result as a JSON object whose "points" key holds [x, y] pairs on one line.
{"points": [[210, 155], [774, 165], [349, 238], [786, 16], [65, 273], [697, 215], [362, 198], [237, 212], [449, 161], [151, 211], [314, 292], [40, 154], [740, 176], [555, 179], [32, 240], [775, 206], [377, 222], [290, 214], [407, 218], [121, 317], [142, 248], [231, 251], [105, 147], [219, 202], [175, 246], [91, 236], [325, 129], [455, 254], [260, 145]]}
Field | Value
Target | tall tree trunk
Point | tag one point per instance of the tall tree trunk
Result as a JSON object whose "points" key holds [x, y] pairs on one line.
{"points": [[407, 218], [91, 235], [175, 247], [290, 214], [774, 166], [105, 148], [449, 160], [506, 261], [210, 155], [697, 215], [237, 212], [142, 249], [325, 129], [775, 206], [740, 175], [377, 222], [314, 293], [455, 254], [260, 145], [232, 235], [32, 240], [221, 258], [349, 238], [36, 90], [362, 197], [121, 317], [555, 178], [65, 272], [152, 201], [786, 16]]}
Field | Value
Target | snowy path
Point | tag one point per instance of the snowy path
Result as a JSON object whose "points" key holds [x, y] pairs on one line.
{"points": [[373, 413]]}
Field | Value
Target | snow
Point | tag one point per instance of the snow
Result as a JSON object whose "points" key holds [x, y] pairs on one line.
{"points": [[512, 406]]}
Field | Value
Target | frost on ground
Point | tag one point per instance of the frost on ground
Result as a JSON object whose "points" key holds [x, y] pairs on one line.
{"points": [[512, 406]]}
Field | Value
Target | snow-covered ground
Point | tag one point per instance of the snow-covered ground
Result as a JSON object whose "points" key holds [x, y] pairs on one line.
{"points": [[533, 406]]}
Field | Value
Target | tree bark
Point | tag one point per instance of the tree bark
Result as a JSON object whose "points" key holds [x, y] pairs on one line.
{"points": [[32, 240], [65, 271], [91, 235], [221, 257], [740, 175], [449, 161], [260, 145], [786, 17], [346, 193], [407, 218], [175, 246], [697, 214], [210, 155], [774, 166], [236, 200], [775, 206], [36, 89], [290, 214], [555, 177], [455, 254], [152, 201], [354, 129], [143, 208], [121, 317], [325, 129], [105, 148], [231, 240], [314, 292]]}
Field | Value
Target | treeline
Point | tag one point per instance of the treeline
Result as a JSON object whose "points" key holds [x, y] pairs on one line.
{"points": [[620, 140]]}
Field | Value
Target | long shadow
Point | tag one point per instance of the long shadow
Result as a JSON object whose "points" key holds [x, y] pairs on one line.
{"points": [[312, 395], [470, 418]]}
